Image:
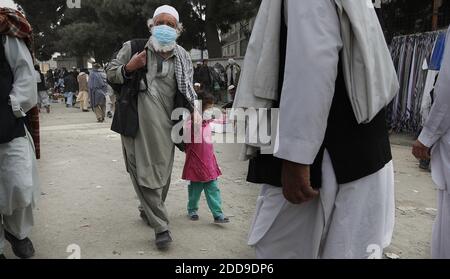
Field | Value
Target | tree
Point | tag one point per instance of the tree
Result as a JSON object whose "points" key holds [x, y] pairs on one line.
{"points": [[83, 32], [413, 16], [216, 16], [100, 26], [43, 16]]}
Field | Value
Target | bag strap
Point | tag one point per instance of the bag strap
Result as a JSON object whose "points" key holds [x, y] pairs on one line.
{"points": [[137, 46]]}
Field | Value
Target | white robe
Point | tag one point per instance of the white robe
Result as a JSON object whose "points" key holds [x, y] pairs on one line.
{"points": [[18, 174], [436, 134], [348, 220]]}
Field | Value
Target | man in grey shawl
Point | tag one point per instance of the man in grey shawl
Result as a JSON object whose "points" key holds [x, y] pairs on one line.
{"points": [[98, 88], [149, 156]]}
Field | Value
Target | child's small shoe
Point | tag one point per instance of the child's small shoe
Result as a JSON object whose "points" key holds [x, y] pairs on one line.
{"points": [[194, 216], [221, 220]]}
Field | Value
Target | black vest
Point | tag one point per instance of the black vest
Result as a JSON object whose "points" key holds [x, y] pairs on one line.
{"points": [[356, 150], [10, 126]]}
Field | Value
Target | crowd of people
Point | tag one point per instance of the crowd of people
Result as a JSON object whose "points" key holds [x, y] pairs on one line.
{"points": [[84, 89], [218, 80], [327, 189]]}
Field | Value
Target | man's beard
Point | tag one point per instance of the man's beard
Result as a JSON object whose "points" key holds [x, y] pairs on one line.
{"points": [[160, 48]]}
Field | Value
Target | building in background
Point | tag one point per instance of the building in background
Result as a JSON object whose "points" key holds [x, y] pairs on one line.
{"points": [[70, 62], [235, 41]]}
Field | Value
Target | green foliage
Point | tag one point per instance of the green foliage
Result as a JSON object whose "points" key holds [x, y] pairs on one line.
{"points": [[43, 16], [100, 26], [413, 16]]}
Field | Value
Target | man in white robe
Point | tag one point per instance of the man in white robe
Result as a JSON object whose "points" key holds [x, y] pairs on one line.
{"points": [[353, 218], [434, 141], [18, 174]]}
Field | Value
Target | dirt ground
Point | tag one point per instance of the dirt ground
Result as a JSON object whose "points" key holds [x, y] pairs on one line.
{"points": [[88, 200]]}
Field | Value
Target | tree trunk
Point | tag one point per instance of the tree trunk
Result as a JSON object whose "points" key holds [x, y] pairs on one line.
{"points": [[435, 20], [212, 33]]}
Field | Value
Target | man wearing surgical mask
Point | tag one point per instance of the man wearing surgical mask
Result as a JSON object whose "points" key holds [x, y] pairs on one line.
{"points": [[149, 156]]}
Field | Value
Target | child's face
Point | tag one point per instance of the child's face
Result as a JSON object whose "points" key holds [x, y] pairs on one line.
{"points": [[207, 107], [208, 112]]}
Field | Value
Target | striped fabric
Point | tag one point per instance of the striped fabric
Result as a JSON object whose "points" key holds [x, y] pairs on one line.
{"points": [[14, 24], [184, 72], [33, 126]]}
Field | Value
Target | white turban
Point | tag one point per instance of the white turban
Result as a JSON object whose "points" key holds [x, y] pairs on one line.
{"points": [[166, 9]]}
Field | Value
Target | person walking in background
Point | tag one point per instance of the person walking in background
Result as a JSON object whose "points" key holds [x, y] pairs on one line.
{"points": [[233, 71], [205, 77], [83, 94], [199, 90], [197, 78], [50, 82], [110, 102], [70, 88], [59, 82], [75, 74], [43, 99], [98, 88], [232, 95], [50, 79], [202, 170]]}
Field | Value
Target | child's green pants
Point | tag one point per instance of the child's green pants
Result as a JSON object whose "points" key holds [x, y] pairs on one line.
{"points": [[212, 193]]}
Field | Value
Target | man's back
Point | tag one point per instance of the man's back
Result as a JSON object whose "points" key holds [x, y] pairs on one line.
{"points": [[83, 82], [70, 84]]}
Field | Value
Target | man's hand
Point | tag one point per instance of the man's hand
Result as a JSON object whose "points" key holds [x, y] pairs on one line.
{"points": [[420, 151], [138, 61], [297, 183]]}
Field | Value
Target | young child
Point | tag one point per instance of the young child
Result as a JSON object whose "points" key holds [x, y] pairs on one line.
{"points": [[202, 170]]}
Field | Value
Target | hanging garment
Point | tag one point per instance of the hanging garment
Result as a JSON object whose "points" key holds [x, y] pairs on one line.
{"points": [[438, 53], [409, 54]]}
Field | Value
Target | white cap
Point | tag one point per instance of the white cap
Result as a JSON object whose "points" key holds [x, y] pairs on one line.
{"points": [[197, 84], [231, 87], [166, 9]]}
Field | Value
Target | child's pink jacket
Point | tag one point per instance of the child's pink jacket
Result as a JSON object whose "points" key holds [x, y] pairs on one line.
{"points": [[201, 164]]}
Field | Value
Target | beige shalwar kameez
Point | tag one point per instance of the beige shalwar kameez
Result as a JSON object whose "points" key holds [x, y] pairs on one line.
{"points": [[149, 157]]}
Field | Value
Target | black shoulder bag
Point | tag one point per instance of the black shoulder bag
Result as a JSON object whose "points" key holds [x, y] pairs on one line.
{"points": [[126, 119]]}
